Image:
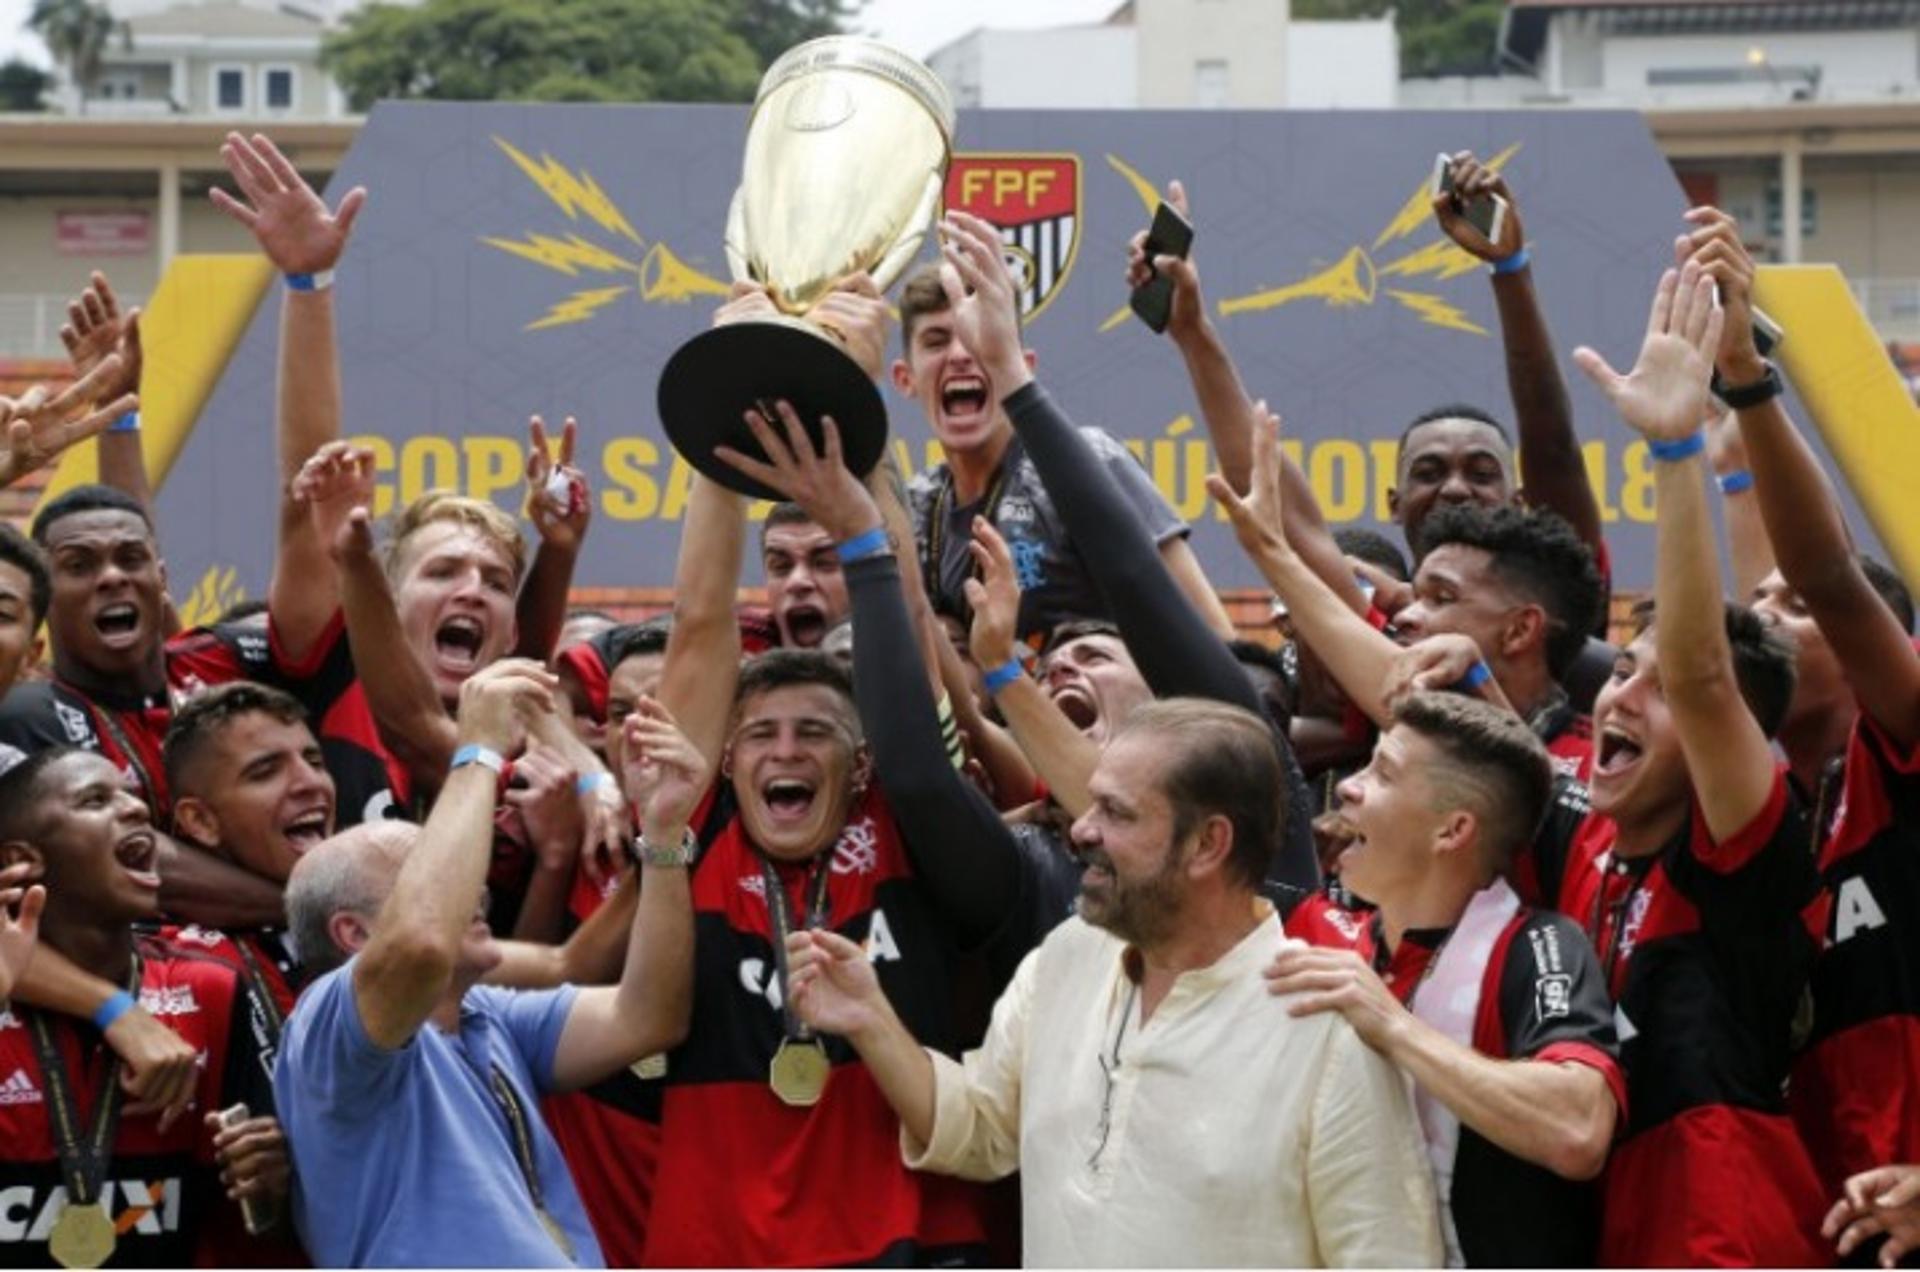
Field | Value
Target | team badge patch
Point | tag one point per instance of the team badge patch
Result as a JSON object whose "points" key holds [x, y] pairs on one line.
{"points": [[1034, 201]]}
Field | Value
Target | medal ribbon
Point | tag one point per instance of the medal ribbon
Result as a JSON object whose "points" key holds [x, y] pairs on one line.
{"points": [[935, 547], [83, 1159], [780, 918], [149, 789], [523, 1153]]}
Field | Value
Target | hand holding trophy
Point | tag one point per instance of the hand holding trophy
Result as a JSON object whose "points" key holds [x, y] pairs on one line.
{"points": [[846, 163]]}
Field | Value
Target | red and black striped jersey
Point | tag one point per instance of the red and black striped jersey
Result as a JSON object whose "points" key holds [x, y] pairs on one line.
{"points": [[1856, 1087], [756, 1183], [1707, 947], [162, 1189]]}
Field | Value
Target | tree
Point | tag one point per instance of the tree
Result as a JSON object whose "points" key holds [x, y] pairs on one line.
{"points": [[1437, 37], [569, 50], [77, 33], [23, 86]]}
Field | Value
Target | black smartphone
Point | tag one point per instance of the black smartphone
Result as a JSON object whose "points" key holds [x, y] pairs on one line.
{"points": [[1169, 235]]}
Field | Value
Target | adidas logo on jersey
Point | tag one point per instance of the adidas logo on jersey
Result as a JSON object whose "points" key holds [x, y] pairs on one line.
{"points": [[171, 1000], [19, 1089]]}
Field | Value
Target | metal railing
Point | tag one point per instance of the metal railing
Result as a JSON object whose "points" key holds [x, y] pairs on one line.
{"points": [[1892, 305]]}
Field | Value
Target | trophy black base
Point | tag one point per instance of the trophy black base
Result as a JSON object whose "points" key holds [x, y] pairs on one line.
{"points": [[713, 380]]}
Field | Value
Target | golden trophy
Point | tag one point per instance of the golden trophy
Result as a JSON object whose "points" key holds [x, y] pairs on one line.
{"points": [[846, 164]]}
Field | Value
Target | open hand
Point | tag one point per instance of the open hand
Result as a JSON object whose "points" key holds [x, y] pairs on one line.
{"points": [[1664, 397], [1884, 1200], [95, 328], [994, 597], [1338, 980], [983, 298], [288, 219], [40, 424], [336, 485], [664, 773], [819, 481]]}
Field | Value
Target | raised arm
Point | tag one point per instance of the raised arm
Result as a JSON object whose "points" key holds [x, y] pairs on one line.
{"points": [[1231, 416], [1748, 547], [96, 327], [303, 240], [334, 490], [1063, 756], [1176, 649], [1664, 399], [1802, 515], [1556, 472], [409, 962], [1359, 657], [560, 505], [610, 1027], [961, 849]]}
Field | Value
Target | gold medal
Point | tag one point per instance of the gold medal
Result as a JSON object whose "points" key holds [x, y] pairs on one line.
{"points": [[650, 1068], [83, 1237], [798, 1074], [555, 1231]]}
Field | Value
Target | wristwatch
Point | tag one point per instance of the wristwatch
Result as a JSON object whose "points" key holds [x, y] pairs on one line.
{"points": [[642, 853], [1742, 396]]}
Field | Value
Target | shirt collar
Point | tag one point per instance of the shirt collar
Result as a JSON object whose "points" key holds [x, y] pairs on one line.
{"points": [[1244, 959]]}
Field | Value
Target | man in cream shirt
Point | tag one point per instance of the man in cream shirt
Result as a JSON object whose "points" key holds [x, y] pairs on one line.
{"points": [[1161, 1108]]}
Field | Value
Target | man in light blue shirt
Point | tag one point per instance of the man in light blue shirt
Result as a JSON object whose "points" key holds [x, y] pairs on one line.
{"points": [[410, 1095]]}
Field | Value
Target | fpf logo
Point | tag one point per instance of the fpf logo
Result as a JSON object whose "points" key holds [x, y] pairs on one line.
{"points": [[1034, 201]]}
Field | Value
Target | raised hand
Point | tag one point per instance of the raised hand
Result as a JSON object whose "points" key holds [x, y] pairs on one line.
{"points": [[856, 314], [20, 908], [1256, 518], [496, 701], [1664, 397], [833, 985], [336, 485], [664, 774], [981, 291], [1189, 311], [1714, 245], [559, 503], [95, 328], [288, 219], [818, 481], [41, 425], [1472, 179], [994, 597]]}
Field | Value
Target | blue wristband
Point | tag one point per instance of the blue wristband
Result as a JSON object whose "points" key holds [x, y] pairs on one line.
{"points": [[1005, 674], [1678, 449], [119, 1005], [474, 753], [870, 543], [588, 783], [1513, 264], [128, 423], [310, 282], [1477, 675], [1737, 482]]}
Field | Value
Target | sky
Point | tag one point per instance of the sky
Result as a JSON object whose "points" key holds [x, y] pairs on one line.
{"points": [[918, 26]]}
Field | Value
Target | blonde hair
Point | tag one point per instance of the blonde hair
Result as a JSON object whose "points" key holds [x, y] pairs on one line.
{"points": [[445, 506]]}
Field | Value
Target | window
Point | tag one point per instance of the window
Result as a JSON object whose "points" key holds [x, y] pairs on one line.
{"points": [[229, 88], [1210, 83], [276, 87]]}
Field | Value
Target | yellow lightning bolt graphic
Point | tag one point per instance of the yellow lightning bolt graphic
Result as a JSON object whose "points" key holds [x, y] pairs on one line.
{"points": [[1419, 205], [1444, 259], [1437, 312], [1349, 281], [577, 308], [569, 256], [573, 195]]}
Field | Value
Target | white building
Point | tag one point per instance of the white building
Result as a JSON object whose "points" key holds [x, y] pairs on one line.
{"points": [[1177, 54]]}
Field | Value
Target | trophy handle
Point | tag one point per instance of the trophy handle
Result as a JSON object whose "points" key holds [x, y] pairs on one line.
{"points": [[895, 262], [736, 235]]}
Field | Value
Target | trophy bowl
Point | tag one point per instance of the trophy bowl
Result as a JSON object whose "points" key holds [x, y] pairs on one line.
{"points": [[846, 163]]}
